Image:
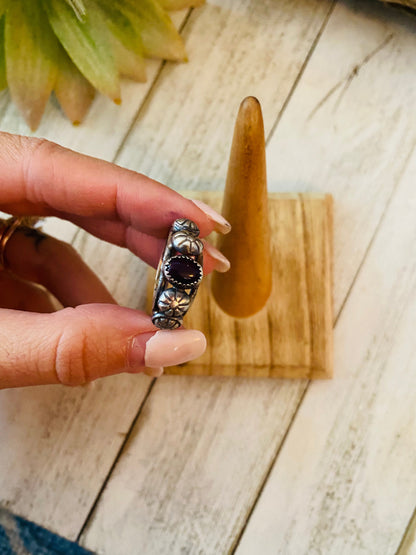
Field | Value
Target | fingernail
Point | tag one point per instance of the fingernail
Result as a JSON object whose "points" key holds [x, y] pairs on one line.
{"points": [[221, 223], [172, 347], [222, 264]]}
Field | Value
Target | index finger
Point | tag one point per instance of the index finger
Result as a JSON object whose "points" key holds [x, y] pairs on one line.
{"points": [[39, 177]]}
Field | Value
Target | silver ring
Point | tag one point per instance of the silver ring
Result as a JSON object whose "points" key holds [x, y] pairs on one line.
{"points": [[178, 275]]}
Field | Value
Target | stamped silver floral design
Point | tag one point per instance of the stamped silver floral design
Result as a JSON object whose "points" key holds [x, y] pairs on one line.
{"points": [[164, 322], [173, 302], [187, 244], [183, 224]]}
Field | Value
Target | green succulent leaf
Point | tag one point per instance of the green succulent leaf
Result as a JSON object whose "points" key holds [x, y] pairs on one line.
{"points": [[78, 7], [30, 50], [127, 44], [88, 44], [120, 25], [159, 36], [76, 46], [130, 64], [72, 90]]}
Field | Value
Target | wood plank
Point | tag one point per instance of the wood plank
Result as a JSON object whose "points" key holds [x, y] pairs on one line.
{"points": [[291, 336], [344, 480], [359, 157], [350, 126], [52, 498], [173, 487], [58, 445], [237, 48]]}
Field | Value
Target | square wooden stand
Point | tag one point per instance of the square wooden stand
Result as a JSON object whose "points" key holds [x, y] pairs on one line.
{"points": [[291, 337]]}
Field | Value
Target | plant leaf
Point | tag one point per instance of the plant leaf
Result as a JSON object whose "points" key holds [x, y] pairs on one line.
{"points": [[88, 44], [159, 36], [78, 7], [129, 63], [180, 4], [127, 44], [30, 48], [72, 90], [119, 22]]}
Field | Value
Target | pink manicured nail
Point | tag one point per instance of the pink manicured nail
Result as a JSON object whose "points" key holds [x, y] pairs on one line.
{"points": [[222, 264], [171, 347], [221, 223]]}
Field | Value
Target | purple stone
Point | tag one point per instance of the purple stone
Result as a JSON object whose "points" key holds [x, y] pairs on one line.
{"points": [[183, 271]]}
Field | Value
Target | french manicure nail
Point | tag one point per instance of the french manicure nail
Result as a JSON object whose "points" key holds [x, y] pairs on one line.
{"points": [[222, 264], [221, 224], [172, 347]]}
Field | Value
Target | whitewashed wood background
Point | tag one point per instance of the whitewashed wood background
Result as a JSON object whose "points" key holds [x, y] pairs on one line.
{"points": [[211, 465]]}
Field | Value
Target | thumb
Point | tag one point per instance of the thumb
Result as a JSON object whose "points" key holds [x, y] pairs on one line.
{"points": [[77, 345]]}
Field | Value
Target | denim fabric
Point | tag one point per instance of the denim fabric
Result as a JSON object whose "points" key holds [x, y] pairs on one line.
{"points": [[21, 537]]}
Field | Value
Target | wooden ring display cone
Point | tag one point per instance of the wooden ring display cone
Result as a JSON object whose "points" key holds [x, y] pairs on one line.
{"points": [[271, 314], [246, 287]]}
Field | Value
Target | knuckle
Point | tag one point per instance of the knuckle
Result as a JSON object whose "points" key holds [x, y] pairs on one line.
{"points": [[38, 146], [82, 351], [35, 150], [38, 158], [73, 352]]}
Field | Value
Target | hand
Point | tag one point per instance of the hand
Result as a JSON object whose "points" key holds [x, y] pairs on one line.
{"points": [[91, 336]]}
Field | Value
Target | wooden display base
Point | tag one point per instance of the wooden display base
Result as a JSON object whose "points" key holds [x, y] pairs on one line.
{"points": [[290, 337]]}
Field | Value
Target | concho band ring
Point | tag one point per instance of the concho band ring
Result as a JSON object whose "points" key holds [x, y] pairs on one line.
{"points": [[178, 275]]}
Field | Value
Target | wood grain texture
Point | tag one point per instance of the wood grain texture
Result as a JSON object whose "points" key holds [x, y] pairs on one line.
{"points": [[291, 336], [236, 48], [186, 478], [349, 128], [61, 442], [344, 481]]}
